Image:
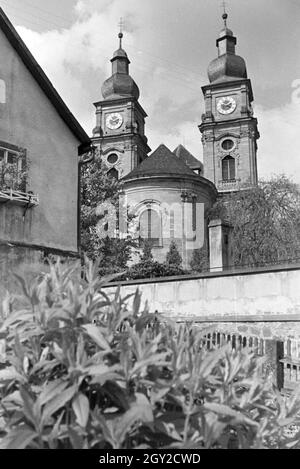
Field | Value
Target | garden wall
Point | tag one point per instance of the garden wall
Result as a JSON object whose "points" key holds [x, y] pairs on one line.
{"points": [[263, 302]]}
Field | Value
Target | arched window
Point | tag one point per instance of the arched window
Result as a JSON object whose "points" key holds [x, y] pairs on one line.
{"points": [[150, 227], [228, 169], [113, 173]]}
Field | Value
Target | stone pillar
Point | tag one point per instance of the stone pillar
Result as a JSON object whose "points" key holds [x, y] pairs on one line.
{"points": [[274, 352], [219, 246]]}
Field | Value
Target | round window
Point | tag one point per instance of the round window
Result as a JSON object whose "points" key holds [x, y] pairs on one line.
{"points": [[227, 144], [112, 159]]}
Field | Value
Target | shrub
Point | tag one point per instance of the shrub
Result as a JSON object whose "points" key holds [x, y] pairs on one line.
{"points": [[84, 370], [173, 258], [200, 260], [149, 268], [12, 177]]}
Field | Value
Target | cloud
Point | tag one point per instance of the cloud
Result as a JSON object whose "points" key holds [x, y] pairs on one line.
{"points": [[77, 61], [278, 151]]}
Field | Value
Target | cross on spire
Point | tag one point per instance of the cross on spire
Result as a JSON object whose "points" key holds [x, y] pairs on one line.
{"points": [[121, 26], [225, 15]]}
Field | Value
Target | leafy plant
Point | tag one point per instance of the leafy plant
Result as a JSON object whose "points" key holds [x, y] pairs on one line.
{"points": [[14, 176], [265, 221], [96, 188], [83, 368], [200, 259], [147, 267]]}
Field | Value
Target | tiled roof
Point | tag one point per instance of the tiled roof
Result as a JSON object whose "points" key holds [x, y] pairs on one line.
{"points": [[182, 153], [161, 162]]}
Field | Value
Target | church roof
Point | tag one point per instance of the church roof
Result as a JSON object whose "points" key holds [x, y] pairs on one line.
{"points": [[43, 81], [183, 154], [162, 162]]}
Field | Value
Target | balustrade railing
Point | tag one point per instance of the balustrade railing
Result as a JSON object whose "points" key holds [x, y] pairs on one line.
{"points": [[20, 198], [289, 365]]}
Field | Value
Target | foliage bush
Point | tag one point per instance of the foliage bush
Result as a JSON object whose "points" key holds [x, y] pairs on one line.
{"points": [[14, 177], [173, 258], [147, 267], [83, 370], [98, 188], [200, 259], [265, 221]]}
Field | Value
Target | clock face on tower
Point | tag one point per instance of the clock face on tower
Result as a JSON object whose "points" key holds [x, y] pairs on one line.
{"points": [[114, 121], [226, 105]]}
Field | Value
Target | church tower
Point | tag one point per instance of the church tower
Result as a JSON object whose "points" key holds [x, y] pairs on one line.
{"points": [[229, 129], [120, 119]]}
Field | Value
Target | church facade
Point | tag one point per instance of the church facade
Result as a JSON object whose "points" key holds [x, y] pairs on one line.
{"points": [[170, 192]]}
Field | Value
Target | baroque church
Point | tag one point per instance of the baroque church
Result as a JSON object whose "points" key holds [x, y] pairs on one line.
{"points": [[169, 191]]}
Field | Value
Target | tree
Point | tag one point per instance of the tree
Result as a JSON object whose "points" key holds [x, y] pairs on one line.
{"points": [[173, 262], [200, 260], [147, 267], [265, 221], [173, 257], [97, 187], [147, 255]]}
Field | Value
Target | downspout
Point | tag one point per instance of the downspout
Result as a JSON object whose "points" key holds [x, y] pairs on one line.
{"points": [[84, 159]]}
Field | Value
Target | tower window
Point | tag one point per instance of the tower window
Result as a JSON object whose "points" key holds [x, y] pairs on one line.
{"points": [[113, 173], [228, 169], [150, 227], [112, 158], [227, 144]]}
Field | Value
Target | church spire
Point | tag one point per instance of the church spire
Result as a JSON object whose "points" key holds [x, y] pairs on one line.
{"points": [[228, 65], [120, 83], [224, 16], [121, 35], [226, 42], [120, 61]]}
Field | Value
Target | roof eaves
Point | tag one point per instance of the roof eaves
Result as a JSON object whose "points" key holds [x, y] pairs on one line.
{"points": [[44, 82]]}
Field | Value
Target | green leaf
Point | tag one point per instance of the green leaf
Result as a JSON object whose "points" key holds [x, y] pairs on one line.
{"points": [[81, 408], [51, 390], [10, 374], [94, 333], [28, 404], [56, 429], [77, 440], [18, 438], [57, 402], [22, 282], [228, 412], [140, 411], [14, 397]]}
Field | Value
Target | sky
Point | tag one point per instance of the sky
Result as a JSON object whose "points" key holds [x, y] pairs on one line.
{"points": [[170, 44]]}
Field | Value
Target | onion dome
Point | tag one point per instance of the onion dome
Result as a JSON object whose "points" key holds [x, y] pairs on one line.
{"points": [[120, 84], [228, 66]]}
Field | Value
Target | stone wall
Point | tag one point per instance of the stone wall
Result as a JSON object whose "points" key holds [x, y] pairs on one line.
{"points": [[263, 303]]}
